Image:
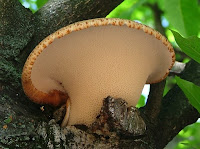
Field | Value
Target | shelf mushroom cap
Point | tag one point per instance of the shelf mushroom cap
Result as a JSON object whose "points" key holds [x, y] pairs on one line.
{"points": [[92, 59]]}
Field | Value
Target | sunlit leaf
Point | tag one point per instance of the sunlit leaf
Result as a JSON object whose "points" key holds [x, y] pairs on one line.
{"points": [[189, 135], [141, 102], [33, 5], [188, 145], [123, 7], [190, 45], [127, 14], [183, 15], [134, 10], [191, 91], [40, 3]]}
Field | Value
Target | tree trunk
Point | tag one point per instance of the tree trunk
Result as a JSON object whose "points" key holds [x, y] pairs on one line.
{"points": [[24, 125]]}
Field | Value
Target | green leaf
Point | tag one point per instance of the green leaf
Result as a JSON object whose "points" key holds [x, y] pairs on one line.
{"points": [[191, 91], [188, 145], [128, 13], [40, 3], [122, 8], [8, 120], [190, 45], [183, 15], [141, 102], [126, 9]]}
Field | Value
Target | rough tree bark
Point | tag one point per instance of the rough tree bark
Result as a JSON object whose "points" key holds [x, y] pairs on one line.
{"points": [[24, 125]]}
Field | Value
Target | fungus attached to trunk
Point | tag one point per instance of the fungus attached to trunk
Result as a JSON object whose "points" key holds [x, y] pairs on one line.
{"points": [[89, 60]]}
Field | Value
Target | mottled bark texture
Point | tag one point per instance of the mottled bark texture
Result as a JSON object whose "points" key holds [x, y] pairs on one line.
{"points": [[24, 125]]}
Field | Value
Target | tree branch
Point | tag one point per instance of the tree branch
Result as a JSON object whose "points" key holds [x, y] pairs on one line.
{"points": [[176, 111], [177, 108], [23, 124], [152, 108], [59, 13], [153, 105]]}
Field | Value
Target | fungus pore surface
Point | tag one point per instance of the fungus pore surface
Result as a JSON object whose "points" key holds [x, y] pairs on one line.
{"points": [[92, 59]]}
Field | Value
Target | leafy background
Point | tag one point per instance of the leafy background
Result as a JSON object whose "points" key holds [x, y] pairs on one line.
{"points": [[182, 17]]}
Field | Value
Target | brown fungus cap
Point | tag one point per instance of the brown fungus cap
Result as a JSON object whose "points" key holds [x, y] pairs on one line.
{"points": [[92, 59]]}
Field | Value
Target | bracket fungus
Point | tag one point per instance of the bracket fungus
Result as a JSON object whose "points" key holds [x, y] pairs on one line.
{"points": [[89, 60]]}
